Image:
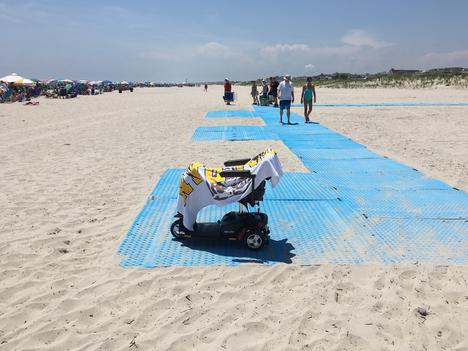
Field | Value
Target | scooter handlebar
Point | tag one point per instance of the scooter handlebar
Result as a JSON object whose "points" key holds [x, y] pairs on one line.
{"points": [[238, 162], [234, 174]]}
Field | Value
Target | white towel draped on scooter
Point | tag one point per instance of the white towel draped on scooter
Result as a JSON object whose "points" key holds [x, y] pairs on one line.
{"points": [[201, 186]]}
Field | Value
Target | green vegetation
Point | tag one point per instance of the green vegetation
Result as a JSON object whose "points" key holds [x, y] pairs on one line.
{"points": [[415, 81], [384, 80]]}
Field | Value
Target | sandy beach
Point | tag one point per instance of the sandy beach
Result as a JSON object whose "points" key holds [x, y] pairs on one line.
{"points": [[75, 173]]}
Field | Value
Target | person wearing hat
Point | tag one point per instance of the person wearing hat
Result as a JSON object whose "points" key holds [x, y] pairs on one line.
{"points": [[264, 88], [286, 96]]}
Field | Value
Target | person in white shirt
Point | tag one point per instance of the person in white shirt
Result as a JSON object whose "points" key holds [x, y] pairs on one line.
{"points": [[286, 96]]}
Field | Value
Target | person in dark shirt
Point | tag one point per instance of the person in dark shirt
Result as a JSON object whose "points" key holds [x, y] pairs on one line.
{"points": [[273, 91], [227, 92]]}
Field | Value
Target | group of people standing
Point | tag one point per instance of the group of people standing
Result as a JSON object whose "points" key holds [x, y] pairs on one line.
{"points": [[284, 93]]}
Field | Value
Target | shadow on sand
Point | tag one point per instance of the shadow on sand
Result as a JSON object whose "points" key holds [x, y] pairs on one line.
{"points": [[274, 251]]}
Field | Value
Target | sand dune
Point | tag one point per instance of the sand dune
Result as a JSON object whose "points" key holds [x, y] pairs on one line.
{"points": [[75, 173]]}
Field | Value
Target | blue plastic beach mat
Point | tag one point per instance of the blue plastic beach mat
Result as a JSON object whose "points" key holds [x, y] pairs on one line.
{"points": [[353, 206], [233, 133], [311, 223], [368, 104], [231, 113]]}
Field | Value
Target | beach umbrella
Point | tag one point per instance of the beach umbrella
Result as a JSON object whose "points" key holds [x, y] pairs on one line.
{"points": [[123, 82], [66, 81], [11, 78], [53, 83], [106, 81], [24, 81]]}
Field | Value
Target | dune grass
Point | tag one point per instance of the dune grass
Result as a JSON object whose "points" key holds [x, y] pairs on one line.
{"points": [[382, 80]]}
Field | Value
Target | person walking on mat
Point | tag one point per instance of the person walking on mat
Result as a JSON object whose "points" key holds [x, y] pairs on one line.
{"points": [[308, 95], [286, 96]]}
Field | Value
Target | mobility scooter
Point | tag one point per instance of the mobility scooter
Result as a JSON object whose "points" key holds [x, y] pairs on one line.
{"points": [[250, 228]]}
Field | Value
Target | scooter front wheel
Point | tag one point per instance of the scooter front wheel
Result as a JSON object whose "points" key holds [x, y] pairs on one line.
{"points": [[254, 240], [178, 230]]}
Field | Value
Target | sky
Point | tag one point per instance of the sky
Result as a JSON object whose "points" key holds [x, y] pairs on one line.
{"points": [[208, 40]]}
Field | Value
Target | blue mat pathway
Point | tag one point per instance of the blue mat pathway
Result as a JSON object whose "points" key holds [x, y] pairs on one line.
{"points": [[391, 104], [353, 207]]}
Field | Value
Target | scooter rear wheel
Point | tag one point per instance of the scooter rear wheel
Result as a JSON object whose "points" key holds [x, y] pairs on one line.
{"points": [[254, 239], [178, 229]]}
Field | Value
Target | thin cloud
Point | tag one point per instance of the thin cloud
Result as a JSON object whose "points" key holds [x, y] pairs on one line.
{"points": [[278, 49], [159, 54], [309, 68], [24, 13], [354, 41], [116, 14], [359, 37], [438, 59], [206, 51], [213, 50]]}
